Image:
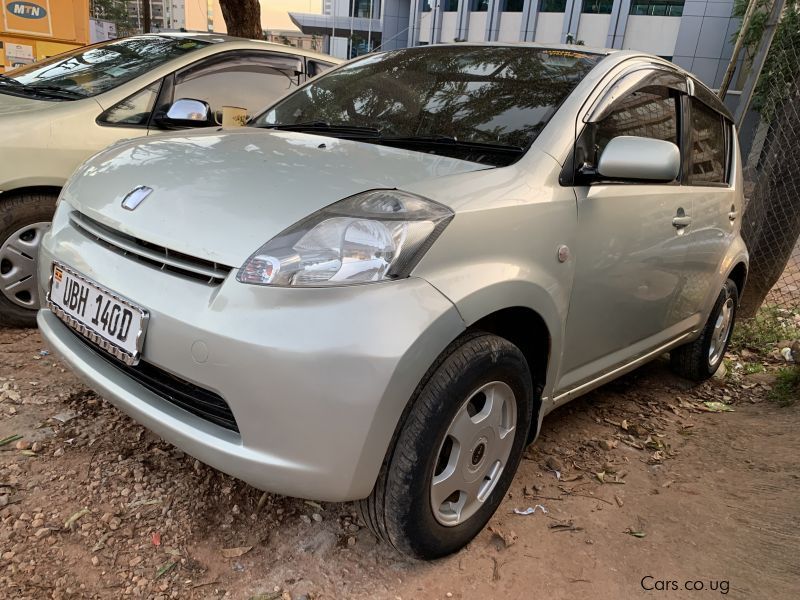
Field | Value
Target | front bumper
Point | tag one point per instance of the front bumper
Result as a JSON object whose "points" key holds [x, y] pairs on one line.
{"points": [[317, 379]]}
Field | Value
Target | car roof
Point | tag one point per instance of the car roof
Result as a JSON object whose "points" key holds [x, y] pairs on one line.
{"points": [[542, 46], [241, 43]]}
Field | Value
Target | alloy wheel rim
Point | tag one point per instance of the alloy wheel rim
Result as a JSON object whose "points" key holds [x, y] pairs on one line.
{"points": [[18, 256], [721, 332], [474, 453]]}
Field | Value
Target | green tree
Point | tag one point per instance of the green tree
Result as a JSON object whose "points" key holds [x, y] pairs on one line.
{"points": [[781, 61]]}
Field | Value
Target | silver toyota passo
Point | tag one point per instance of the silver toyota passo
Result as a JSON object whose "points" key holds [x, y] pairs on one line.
{"points": [[378, 291]]}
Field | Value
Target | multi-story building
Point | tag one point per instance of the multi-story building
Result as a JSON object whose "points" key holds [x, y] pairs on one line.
{"points": [[194, 15], [695, 34]]}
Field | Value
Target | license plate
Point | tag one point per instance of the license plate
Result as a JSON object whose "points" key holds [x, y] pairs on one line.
{"points": [[110, 321]]}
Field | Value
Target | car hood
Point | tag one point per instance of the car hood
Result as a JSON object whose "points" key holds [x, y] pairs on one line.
{"points": [[16, 105], [221, 195]]}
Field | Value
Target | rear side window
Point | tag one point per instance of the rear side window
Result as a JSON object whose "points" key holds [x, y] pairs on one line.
{"points": [[708, 146], [650, 112]]}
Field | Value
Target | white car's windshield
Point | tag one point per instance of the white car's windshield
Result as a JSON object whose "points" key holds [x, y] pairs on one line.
{"points": [[96, 69], [480, 103]]}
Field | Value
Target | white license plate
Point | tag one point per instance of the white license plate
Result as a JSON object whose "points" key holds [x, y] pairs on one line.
{"points": [[113, 323]]}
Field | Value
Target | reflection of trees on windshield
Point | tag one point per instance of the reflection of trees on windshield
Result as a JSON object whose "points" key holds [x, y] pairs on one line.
{"points": [[98, 68], [489, 94]]}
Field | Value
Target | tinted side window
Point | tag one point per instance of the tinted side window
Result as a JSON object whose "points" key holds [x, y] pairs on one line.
{"points": [[248, 81], [708, 145], [134, 110], [649, 112]]}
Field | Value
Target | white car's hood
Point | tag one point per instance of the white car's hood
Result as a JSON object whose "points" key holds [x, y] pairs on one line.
{"points": [[12, 106], [221, 195]]}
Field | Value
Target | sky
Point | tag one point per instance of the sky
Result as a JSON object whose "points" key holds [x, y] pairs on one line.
{"points": [[273, 12]]}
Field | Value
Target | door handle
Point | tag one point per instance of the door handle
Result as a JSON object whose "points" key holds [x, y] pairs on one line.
{"points": [[732, 216], [681, 222]]}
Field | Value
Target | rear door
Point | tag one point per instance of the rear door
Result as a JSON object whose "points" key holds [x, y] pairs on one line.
{"points": [[707, 177], [630, 255]]}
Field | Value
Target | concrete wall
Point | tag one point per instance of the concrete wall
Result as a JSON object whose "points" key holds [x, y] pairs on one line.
{"points": [[703, 44], [656, 34], [510, 24], [477, 27], [449, 23], [548, 28], [593, 29]]}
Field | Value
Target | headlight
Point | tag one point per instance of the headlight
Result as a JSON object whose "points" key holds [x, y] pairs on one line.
{"points": [[372, 236]]}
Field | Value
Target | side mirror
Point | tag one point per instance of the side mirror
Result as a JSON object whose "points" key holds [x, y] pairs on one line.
{"points": [[187, 112], [632, 157]]}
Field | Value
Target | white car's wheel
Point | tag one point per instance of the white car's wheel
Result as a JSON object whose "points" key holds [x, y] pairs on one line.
{"points": [[701, 358], [24, 218], [457, 450]]}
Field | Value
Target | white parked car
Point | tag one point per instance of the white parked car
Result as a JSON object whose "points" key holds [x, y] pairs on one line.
{"points": [[379, 291], [57, 113]]}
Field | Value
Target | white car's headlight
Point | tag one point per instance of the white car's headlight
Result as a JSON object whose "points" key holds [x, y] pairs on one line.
{"points": [[372, 236]]}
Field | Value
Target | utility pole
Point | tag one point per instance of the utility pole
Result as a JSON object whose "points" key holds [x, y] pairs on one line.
{"points": [[758, 61], [726, 80], [146, 16]]}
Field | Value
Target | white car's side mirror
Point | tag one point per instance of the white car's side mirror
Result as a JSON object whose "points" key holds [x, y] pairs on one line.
{"points": [[187, 112], [632, 157]]}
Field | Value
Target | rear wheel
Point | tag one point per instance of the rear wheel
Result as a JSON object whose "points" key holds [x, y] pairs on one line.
{"points": [[24, 219], [701, 358], [457, 450]]}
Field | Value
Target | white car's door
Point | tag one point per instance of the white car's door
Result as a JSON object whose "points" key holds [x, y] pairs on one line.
{"points": [[716, 213], [631, 247]]}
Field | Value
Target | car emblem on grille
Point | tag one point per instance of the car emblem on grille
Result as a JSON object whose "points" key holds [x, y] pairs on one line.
{"points": [[135, 197]]}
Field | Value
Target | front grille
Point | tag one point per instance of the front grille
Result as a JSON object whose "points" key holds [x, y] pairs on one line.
{"points": [[154, 255], [183, 394]]}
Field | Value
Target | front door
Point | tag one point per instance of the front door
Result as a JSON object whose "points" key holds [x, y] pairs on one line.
{"points": [[630, 253]]}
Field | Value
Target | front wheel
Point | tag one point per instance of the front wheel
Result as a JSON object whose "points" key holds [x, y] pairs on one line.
{"points": [[24, 219], [700, 359], [457, 450]]}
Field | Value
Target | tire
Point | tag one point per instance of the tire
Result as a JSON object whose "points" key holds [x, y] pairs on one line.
{"points": [[697, 360], [24, 218], [400, 509]]}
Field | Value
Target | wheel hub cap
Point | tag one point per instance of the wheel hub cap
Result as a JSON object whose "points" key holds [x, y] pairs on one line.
{"points": [[18, 265], [721, 332], [473, 453]]}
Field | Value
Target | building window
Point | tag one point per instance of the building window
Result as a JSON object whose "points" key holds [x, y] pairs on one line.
{"points": [[552, 6], [598, 7], [365, 8], [479, 5], [659, 8], [450, 6], [513, 5]]}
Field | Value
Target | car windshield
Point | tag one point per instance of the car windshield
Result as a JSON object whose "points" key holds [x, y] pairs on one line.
{"points": [[96, 69], [480, 103]]}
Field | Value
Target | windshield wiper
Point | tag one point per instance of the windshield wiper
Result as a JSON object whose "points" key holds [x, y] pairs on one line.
{"points": [[54, 91], [5, 79], [449, 141], [325, 127]]}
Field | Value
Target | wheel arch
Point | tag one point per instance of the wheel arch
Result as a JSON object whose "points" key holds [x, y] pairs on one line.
{"points": [[739, 276], [54, 190], [527, 330]]}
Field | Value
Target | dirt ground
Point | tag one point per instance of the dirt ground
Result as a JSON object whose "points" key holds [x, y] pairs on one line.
{"points": [[654, 492]]}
